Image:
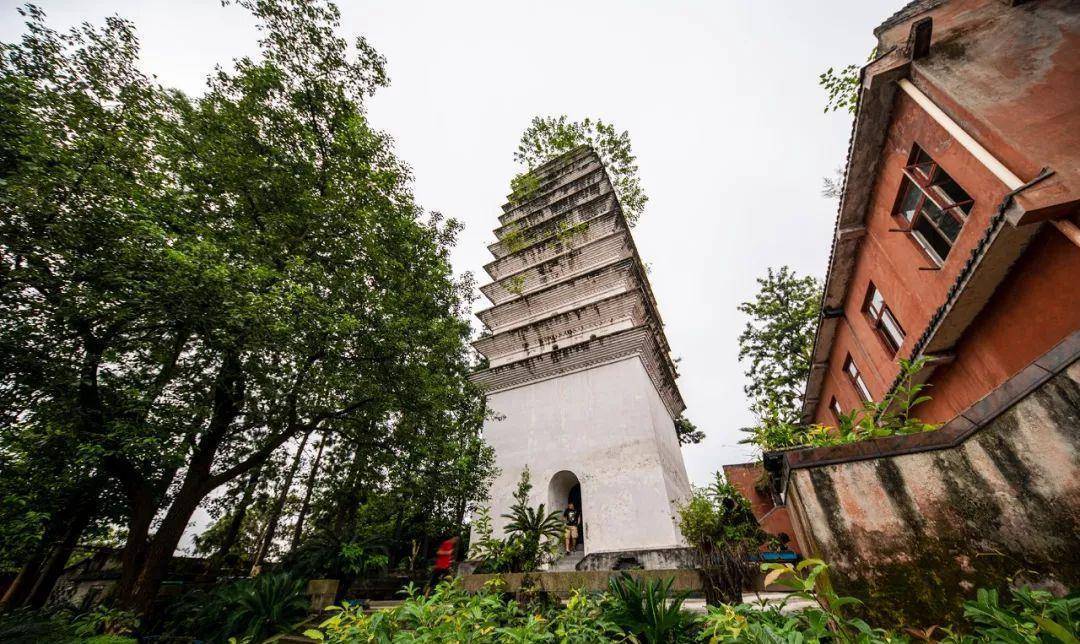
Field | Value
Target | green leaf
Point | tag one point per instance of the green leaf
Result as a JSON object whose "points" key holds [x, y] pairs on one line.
{"points": [[1058, 631]]}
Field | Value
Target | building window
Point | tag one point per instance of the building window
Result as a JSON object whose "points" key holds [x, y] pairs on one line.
{"points": [[857, 380], [934, 205], [882, 319], [836, 410]]}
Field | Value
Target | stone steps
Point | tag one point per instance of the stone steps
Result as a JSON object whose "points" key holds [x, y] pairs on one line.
{"points": [[568, 563]]}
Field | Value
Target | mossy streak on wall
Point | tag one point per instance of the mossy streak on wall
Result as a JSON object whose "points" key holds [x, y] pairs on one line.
{"points": [[915, 534]]}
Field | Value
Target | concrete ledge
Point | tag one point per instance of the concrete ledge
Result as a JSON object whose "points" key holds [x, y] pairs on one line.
{"points": [[562, 583], [653, 559]]}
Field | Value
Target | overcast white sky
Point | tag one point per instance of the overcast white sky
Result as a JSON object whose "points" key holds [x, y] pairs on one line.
{"points": [[720, 98]]}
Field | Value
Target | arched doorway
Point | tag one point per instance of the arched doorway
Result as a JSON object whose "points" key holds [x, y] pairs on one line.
{"points": [[566, 488]]}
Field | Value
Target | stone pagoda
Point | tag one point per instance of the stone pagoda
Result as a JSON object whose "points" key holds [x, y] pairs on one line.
{"points": [[579, 374]]}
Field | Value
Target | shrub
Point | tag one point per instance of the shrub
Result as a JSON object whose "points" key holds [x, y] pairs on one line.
{"points": [[718, 522], [264, 606], [26, 625], [648, 612], [448, 614], [103, 620], [1031, 616], [532, 535], [251, 609]]}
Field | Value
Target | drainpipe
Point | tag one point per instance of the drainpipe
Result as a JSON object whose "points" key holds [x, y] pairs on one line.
{"points": [[1069, 229]]}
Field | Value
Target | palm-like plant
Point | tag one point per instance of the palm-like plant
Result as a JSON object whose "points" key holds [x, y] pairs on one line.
{"points": [[531, 528], [648, 610], [264, 606]]}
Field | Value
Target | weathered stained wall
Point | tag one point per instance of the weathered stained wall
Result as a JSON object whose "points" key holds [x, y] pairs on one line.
{"points": [[915, 534]]}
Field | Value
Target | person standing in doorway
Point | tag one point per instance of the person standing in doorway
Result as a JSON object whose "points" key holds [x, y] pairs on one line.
{"points": [[572, 519]]}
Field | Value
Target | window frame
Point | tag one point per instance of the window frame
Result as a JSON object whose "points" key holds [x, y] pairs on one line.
{"points": [[926, 176], [837, 411], [877, 320], [856, 379]]}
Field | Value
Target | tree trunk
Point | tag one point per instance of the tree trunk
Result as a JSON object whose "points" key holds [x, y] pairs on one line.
{"points": [[158, 554], [298, 531], [236, 521], [279, 505], [57, 528], [20, 587], [58, 558], [228, 398], [143, 510]]}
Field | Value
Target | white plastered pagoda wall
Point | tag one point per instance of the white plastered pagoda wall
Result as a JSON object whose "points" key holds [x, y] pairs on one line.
{"points": [[580, 375]]}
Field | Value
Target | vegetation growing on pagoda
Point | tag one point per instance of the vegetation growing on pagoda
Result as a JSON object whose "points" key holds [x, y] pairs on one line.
{"points": [[513, 239], [548, 137], [515, 284]]}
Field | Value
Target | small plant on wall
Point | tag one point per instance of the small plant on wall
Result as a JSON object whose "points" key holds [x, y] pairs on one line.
{"points": [[524, 187], [566, 232], [515, 284], [894, 415], [514, 239]]}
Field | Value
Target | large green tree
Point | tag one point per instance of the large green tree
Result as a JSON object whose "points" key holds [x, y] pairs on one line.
{"points": [[192, 284], [777, 342], [93, 304]]}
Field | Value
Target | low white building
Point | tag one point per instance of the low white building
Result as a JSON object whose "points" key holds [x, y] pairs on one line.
{"points": [[580, 374]]}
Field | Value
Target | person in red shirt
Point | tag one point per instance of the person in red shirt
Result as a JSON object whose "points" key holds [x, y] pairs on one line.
{"points": [[444, 561]]}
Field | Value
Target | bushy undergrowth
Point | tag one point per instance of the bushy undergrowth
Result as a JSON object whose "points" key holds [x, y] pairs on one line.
{"points": [[650, 613], [101, 625], [248, 609], [532, 535]]}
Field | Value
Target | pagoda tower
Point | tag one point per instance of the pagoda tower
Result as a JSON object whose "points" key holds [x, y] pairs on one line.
{"points": [[579, 372]]}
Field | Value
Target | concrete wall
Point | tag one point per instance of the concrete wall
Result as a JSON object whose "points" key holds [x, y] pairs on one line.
{"points": [[563, 583], [915, 533], [608, 427]]}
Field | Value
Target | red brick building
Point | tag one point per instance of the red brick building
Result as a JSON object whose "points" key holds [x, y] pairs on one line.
{"points": [[956, 238], [771, 516], [956, 241]]}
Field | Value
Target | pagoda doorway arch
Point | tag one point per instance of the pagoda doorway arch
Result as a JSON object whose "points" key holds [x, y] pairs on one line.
{"points": [[563, 489]]}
